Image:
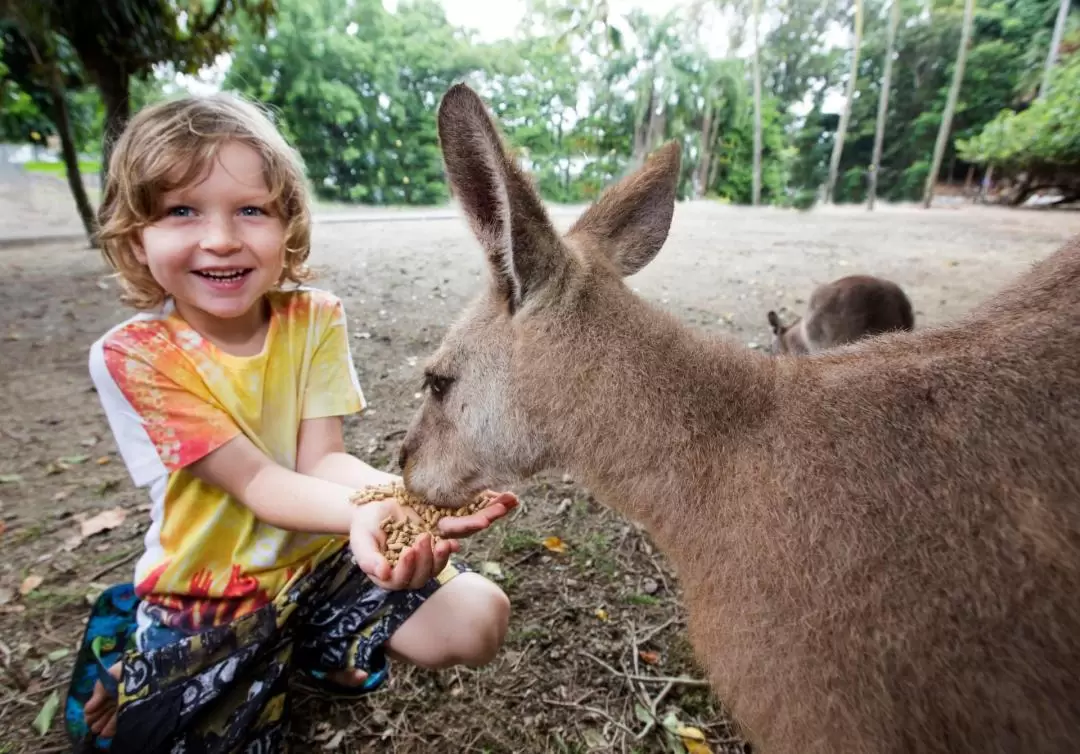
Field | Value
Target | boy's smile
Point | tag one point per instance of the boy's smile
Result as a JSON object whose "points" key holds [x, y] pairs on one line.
{"points": [[218, 246]]}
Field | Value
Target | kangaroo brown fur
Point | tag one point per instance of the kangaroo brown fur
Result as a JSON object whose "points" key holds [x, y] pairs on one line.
{"points": [[843, 311], [879, 547]]}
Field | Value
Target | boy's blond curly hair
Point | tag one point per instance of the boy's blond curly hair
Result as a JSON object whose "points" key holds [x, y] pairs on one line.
{"points": [[170, 145]]}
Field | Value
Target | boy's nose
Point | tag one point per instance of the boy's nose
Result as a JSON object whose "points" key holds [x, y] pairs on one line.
{"points": [[220, 238]]}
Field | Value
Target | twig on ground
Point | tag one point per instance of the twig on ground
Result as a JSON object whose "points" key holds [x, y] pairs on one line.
{"points": [[649, 636], [593, 710], [106, 570], [652, 711], [678, 681]]}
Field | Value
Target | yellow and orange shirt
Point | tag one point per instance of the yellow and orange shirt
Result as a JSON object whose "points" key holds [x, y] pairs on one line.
{"points": [[171, 397]]}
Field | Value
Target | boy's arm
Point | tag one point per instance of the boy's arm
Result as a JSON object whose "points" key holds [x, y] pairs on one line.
{"points": [[277, 495], [321, 453]]}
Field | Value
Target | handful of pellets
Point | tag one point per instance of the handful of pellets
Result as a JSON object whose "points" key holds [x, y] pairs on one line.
{"points": [[400, 535]]}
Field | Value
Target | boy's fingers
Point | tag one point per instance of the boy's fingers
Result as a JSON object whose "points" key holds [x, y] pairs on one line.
{"points": [[424, 561]]}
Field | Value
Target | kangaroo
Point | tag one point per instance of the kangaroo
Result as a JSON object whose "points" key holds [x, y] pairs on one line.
{"points": [[844, 311], [879, 547]]}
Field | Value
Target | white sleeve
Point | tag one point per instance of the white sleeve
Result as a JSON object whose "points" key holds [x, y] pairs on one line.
{"points": [[138, 451]]}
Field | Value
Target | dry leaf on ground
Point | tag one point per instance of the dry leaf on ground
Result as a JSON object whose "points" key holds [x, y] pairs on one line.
{"points": [[554, 544], [653, 658], [103, 521], [31, 583]]}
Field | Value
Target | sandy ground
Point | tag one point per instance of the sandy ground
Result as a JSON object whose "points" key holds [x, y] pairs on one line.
{"points": [[403, 281]]}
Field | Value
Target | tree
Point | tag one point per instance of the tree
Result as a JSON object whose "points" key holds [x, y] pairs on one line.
{"points": [[883, 102], [756, 191], [355, 88], [41, 64], [1055, 44], [950, 104], [845, 114], [1038, 148]]}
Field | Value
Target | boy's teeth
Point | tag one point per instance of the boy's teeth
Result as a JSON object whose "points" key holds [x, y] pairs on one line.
{"points": [[222, 275]]}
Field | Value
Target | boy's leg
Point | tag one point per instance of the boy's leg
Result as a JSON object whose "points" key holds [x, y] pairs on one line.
{"points": [[463, 623], [458, 618]]}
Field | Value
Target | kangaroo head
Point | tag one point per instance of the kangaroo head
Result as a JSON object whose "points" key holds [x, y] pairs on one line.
{"points": [[500, 359], [787, 339]]}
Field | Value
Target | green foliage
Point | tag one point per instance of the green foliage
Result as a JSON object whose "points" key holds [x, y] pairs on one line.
{"points": [[355, 89], [1044, 137]]}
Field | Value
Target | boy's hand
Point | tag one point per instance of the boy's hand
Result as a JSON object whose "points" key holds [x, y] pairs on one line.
{"points": [[415, 567], [499, 504]]}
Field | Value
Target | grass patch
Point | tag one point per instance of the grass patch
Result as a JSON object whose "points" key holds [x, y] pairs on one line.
{"points": [[517, 541], [645, 600], [58, 169], [594, 555]]}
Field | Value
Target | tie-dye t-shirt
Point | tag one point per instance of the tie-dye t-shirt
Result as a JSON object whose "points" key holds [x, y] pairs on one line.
{"points": [[171, 397]]}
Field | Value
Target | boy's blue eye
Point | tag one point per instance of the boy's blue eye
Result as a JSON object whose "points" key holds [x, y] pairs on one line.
{"points": [[180, 211], [252, 211]]}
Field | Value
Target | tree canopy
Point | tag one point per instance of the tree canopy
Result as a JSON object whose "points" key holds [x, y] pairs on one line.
{"points": [[584, 93]]}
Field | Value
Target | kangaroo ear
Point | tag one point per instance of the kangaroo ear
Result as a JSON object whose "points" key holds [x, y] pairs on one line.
{"points": [[503, 209], [630, 221], [774, 322]]}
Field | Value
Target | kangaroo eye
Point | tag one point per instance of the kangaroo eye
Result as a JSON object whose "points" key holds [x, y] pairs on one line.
{"points": [[437, 385]]}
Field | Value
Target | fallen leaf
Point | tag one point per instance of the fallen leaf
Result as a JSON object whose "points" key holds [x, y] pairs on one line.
{"points": [[103, 461], [43, 722], [74, 459], [601, 613], [653, 658], [554, 544], [642, 713], [10, 478], [696, 747], [335, 742], [103, 521], [72, 543], [31, 583], [492, 569], [688, 732], [58, 654], [7, 594]]}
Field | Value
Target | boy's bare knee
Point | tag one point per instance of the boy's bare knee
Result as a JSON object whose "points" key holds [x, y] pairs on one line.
{"points": [[487, 616], [464, 623]]}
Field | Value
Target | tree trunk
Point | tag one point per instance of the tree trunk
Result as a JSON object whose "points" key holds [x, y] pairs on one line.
{"points": [[755, 191], [950, 104], [1055, 43], [115, 88], [985, 184], [883, 102], [706, 149], [62, 120], [845, 115]]}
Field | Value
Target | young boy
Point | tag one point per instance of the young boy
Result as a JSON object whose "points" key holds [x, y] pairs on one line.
{"points": [[225, 395]]}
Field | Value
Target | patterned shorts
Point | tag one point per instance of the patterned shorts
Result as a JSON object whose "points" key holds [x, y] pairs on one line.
{"points": [[225, 689]]}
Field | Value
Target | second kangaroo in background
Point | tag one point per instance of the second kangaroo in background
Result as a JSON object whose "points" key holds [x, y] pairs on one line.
{"points": [[844, 311]]}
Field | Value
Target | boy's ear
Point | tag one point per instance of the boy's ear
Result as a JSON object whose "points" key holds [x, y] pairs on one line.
{"points": [[139, 252]]}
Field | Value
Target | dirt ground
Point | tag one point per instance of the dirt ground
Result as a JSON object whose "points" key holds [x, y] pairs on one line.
{"points": [[583, 620]]}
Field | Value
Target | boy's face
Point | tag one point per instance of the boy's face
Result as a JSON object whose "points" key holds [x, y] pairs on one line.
{"points": [[218, 246]]}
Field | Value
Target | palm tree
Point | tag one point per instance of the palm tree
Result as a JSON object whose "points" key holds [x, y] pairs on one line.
{"points": [[950, 104], [845, 115], [883, 101]]}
